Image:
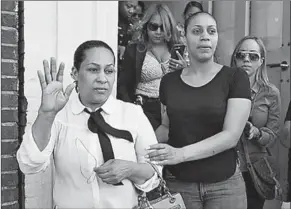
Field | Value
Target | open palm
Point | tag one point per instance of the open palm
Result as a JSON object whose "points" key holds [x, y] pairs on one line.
{"points": [[54, 98]]}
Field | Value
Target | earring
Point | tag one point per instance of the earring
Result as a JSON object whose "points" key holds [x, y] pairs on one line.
{"points": [[76, 86]]}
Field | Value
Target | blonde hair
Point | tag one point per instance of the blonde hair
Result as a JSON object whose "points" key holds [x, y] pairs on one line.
{"points": [[261, 74], [168, 21]]}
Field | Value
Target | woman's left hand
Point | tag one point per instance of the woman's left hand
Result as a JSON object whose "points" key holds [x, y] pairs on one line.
{"points": [[164, 154], [177, 64], [114, 171]]}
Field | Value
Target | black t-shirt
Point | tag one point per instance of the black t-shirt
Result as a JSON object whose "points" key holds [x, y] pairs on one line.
{"points": [[288, 115], [196, 113]]}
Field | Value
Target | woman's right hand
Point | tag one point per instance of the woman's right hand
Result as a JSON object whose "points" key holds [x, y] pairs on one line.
{"points": [[53, 97], [178, 64]]}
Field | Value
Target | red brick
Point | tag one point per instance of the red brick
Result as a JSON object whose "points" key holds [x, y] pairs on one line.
{"points": [[9, 148], [9, 20], [9, 36], [9, 180], [9, 100], [9, 52], [14, 206], [10, 69], [9, 164], [10, 6], [9, 195], [9, 84], [9, 116], [9, 132]]}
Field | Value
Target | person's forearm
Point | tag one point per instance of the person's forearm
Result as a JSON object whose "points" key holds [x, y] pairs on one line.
{"points": [[267, 139], [141, 172], [41, 129], [162, 134], [211, 146]]}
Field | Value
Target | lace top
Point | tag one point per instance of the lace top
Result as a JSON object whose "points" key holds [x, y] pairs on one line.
{"points": [[151, 75]]}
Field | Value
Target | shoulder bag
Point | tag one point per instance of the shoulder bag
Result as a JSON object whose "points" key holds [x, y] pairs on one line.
{"points": [[264, 173]]}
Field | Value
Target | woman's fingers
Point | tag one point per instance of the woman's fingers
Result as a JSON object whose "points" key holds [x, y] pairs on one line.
{"points": [[179, 56], [174, 61], [47, 72], [41, 80], [53, 68], [177, 63], [175, 66], [60, 74]]}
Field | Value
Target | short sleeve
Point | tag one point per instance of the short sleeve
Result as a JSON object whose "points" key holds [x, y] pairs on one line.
{"points": [[240, 85], [288, 115], [162, 90]]}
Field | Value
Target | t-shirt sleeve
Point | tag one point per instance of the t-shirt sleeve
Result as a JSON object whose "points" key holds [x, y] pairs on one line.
{"points": [[162, 90], [240, 85], [288, 115]]}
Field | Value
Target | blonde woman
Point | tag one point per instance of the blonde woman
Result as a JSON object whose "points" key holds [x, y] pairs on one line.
{"points": [[146, 61], [250, 56]]}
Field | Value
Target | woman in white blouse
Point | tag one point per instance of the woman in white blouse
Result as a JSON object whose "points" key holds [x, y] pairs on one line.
{"points": [[83, 178]]}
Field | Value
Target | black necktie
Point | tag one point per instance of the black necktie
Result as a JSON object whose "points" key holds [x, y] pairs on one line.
{"points": [[98, 125]]}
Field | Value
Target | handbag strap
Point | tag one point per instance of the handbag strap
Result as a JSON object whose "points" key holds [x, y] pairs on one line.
{"points": [[246, 151], [162, 181]]}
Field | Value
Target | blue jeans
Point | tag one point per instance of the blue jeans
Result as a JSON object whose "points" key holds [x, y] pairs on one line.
{"points": [[228, 194]]}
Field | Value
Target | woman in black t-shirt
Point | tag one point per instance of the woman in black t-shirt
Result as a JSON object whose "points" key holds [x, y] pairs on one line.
{"points": [[206, 108]]}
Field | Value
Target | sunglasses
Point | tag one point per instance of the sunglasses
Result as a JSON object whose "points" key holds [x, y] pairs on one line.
{"points": [[155, 26], [253, 56]]}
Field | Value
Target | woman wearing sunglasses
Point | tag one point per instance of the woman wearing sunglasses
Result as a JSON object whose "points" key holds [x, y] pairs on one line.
{"points": [[250, 56], [146, 61]]}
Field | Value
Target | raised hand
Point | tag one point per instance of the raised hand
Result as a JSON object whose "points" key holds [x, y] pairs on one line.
{"points": [[54, 98]]}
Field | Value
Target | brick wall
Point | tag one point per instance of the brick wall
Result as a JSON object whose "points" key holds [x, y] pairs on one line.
{"points": [[11, 98]]}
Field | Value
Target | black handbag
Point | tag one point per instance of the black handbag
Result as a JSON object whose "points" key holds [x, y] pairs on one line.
{"points": [[264, 173]]}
